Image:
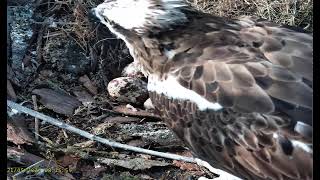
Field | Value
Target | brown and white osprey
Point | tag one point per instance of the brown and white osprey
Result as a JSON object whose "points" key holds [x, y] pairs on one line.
{"points": [[237, 92]]}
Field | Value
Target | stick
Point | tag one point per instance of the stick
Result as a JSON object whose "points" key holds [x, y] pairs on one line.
{"points": [[23, 171], [36, 120], [39, 48], [93, 137]]}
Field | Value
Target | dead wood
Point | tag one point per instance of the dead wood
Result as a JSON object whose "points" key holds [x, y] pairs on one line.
{"points": [[57, 101], [17, 131], [139, 113], [88, 84]]}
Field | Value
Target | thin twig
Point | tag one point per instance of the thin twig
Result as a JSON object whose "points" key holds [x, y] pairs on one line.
{"points": [[25, 170], [101, 40], [93, 137], [49, 35], [54, 22], [36, 120], [39, 48]]}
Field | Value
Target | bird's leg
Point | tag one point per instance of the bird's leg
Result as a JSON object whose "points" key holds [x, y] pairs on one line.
{"points": [[222, 174]]}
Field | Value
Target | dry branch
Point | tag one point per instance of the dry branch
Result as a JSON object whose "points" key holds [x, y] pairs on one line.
{"points": [[90, 136]]}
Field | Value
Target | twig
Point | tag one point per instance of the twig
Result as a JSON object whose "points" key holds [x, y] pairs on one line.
{"points": [[39, 43], [140, 113], [100, 117], [93, 137], [50, 35], [54, 22], [268, 9], [25, 170], [65, 134], [101, 40], [36, 120]]}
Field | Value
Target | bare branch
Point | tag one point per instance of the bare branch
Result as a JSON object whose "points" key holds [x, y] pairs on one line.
{"points": [[90, 136]]}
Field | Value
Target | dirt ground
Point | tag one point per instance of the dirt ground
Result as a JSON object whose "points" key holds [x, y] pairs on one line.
{"points": [[60, 63]]}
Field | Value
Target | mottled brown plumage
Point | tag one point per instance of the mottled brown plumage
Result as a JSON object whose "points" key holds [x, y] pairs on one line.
{"points": [[258, 71]]}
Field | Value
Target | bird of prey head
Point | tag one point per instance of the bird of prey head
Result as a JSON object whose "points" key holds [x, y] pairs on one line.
{"points": [[237, 92], [142, 15]]}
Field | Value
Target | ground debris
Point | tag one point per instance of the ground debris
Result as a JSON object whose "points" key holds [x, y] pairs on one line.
{"points": [[127, 176], [21, 37], [186, 166], [120, 119], [57, 101], [88, 84], [17, 131], [10, 91], [26, 159], [83, 96], [150, 133], [11, 76], [139, 113], [64, 54], [85, 144], [134, 164]]}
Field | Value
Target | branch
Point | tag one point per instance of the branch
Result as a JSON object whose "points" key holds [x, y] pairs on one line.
{"points": [[73, 129]]}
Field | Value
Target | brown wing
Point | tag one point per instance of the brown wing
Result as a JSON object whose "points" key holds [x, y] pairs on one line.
{"points": [[246, 69], [261, 74], [240, 143]]}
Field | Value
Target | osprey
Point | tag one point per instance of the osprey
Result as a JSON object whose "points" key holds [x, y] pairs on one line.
{"points": [[237, 92]]}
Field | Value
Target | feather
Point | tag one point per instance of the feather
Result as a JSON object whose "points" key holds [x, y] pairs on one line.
{"points": [[237, 92]]}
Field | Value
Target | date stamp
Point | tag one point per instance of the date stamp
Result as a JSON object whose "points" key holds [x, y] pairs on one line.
{"points": [[56, 170]]}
